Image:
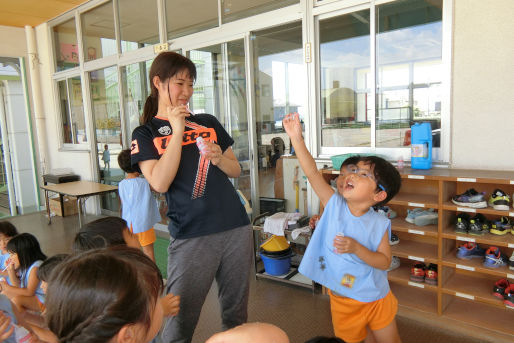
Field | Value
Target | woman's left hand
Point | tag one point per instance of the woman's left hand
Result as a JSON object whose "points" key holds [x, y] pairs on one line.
{"points": [[213, 152]]}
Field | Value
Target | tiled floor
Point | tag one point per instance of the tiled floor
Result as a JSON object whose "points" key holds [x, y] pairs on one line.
{"points": [[298, 311]]}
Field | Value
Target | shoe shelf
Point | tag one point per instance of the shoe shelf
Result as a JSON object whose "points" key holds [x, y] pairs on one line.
{"points": [[476, 265], [414, 297], [473, 287], [415, 200], [415, 251], [448, 205], [400, 225], [484, 240], [401, 275]]}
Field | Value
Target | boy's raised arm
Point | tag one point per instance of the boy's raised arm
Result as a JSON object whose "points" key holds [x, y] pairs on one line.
{"points": [[293, 129]]}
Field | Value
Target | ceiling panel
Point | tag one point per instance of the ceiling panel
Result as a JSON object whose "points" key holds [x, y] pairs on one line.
{"points": [[33, 12]]}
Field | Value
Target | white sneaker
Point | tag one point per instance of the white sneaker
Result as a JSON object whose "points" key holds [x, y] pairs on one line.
{"points": [[395, 263], [511, 262]]}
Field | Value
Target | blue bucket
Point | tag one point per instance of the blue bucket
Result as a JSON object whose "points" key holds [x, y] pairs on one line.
{"points": [[276, 266]]}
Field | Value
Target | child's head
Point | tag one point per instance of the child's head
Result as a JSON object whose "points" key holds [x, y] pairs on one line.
{"points": [[106, 147], [25, 250], [124, 161], [102, 294], [7, 231], [368, 177], [321, 339], [166, 66], [104, 232], [47, 267]]}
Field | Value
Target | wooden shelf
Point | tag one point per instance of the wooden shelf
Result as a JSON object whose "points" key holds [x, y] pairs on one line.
{"points": [[414, 297], [401, 276], [475, 265], [487, 239], [399, 224], [491, 317], [415, 251], [415, 200], [450, 206], [480, 288]]}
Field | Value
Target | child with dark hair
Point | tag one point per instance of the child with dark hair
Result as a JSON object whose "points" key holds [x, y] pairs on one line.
{"points": [[349, 251], [119, 287], [138, 205], [104, 232], [7, 231], [26, 257]]}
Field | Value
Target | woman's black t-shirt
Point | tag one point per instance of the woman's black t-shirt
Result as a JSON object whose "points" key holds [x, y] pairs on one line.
{"points": [[201, 199]]}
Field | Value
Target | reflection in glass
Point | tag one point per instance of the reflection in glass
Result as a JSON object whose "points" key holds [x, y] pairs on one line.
{"points": [[409, 65], [65, 45], [234, 10], [220, 90], [72, 111], [106, 116], [98, 32], [186, 17], [345, 80], [138, 24], [137, 89], [280, 88]]}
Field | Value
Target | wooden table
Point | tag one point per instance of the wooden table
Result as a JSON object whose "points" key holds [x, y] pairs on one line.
{"points": [[82, 190]]}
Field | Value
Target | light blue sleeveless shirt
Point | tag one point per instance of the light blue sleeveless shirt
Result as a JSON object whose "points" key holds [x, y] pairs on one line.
{"points": [[139, 207], [346, 274], [24, 281]]}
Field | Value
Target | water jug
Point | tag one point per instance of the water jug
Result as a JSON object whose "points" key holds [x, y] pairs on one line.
{"points": [[421, 146]]}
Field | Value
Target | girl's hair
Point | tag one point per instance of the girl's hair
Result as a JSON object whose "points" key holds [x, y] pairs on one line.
{"points": [[27, 248], [95, 293], [165, 65], [47, 267], [100, 233], [124, 161], [8, 229]]}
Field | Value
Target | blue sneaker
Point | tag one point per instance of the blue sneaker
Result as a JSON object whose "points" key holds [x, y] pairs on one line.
{"points": [[411, 214], [494, 258], [470, 250], [470, 198]]}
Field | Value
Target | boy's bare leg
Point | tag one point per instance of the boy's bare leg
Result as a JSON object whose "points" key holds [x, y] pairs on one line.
{"points": [[148, 250], [389, 334]]}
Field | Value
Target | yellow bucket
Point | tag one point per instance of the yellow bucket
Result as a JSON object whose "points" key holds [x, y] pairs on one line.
{"points": [[275, 243]]}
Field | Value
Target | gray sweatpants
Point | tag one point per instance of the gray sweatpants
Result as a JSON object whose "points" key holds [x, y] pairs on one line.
{"points": [[193, 264]]}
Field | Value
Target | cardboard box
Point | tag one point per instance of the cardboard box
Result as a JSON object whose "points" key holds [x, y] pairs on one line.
{"points": [[69, 203]]}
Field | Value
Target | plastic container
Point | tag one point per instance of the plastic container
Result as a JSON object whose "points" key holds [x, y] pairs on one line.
{"points": [[276, 266], [275, 243], [421, 146]]}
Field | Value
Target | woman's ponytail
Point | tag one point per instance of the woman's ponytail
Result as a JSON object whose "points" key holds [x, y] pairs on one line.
{"points": [[150, 109]]}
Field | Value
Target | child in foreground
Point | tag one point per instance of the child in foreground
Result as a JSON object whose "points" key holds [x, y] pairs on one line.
{"points": [[105, 295], [138, 205], [349, 251], [7, 231]]}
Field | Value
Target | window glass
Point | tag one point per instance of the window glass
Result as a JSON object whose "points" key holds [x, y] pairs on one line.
{"points": [[137, 89], [280, 88], [346, 81], [72, 111], [239, 9], [409, 70], [138, 24], [65, 45], [98, 32], [186, 17]]}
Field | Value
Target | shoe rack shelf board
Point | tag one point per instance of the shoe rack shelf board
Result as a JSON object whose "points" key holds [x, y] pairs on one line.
{"points": [[464, 289]]}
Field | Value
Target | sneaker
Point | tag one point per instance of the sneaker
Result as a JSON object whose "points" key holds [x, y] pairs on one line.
{"points": [[431, 274], [500, 287], [470, 198], [494, 258], [462, 223], [470, 250], [394, 239], [395, 263], [501, 227], [511, 262], [417, 272], [411, 214], [428, 217], [499, 200], [477, 225], [508, 298], [386, 211]]}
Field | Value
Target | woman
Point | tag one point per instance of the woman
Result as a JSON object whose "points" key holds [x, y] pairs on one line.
{"points": [[211, 237]]}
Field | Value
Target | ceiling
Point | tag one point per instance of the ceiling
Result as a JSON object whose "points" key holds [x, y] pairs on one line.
{"points": [[33, 12]]}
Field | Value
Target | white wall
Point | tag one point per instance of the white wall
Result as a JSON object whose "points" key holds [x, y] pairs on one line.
{"points": [[13, 41], [483, 85]]}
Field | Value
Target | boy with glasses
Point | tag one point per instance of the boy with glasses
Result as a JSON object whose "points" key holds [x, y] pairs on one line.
{"points": [[349, 251]]}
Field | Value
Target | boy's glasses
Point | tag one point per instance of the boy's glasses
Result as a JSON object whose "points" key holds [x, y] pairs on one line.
{"points": [[353, 169]]}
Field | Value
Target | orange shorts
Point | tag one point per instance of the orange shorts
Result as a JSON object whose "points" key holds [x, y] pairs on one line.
{"points": [[145, 238], [351, 317]]}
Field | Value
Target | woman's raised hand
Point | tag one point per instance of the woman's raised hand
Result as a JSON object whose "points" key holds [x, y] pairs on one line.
{"points": [[177, 117]]}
